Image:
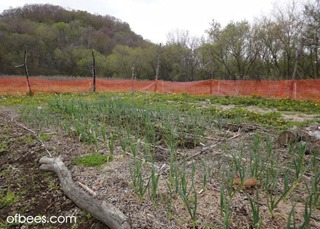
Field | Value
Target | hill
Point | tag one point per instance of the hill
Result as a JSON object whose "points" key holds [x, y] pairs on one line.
{"points": [[59, 41]]}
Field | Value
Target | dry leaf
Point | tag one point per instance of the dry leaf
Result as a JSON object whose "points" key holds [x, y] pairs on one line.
{"points": [[248, 183]]}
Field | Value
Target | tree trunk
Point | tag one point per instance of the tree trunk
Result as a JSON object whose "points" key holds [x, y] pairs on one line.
{"points": [[105, 212]]}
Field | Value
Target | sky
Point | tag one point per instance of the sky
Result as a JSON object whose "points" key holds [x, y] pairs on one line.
{"points": [[155, 19]]}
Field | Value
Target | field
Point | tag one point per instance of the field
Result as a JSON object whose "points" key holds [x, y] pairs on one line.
{"points": [[164, 160]]}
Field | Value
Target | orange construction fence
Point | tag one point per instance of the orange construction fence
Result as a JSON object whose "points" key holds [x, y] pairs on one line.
{"points": [[293, 89]]}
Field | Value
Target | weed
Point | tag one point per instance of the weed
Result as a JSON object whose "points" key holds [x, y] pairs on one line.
{"points": [[3, 147], [45, 137], [8, 199], [28, 139], [93, 160]]}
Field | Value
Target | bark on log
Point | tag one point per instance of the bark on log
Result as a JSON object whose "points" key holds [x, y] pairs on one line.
{"points": [[292, 135], [310, 136], [105, 212]]}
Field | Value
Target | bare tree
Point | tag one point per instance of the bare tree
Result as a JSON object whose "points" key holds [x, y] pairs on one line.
{"points": [[290, 25]]}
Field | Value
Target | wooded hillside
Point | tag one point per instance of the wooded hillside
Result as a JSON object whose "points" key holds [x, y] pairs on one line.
{"points": [[60, 41]]}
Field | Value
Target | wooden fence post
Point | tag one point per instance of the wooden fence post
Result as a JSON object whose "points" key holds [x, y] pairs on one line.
{"points": [[158, 63], [26, 71], [93, 71], [133, 78]]}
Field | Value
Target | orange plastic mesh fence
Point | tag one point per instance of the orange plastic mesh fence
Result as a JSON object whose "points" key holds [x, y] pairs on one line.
{"points": [[294, 89]]}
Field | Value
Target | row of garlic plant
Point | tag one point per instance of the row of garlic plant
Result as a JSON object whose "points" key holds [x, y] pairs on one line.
{"points": [[262, 164], [90, 120]]}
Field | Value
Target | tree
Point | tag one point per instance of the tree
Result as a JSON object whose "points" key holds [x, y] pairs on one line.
{"points": [[218, 51], [124, 58], [234, 47], [290, 26], [269, 34], [180, 56], [312, 38]]}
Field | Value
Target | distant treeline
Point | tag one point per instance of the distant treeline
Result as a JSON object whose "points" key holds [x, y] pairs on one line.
{"points": [[283, 45]]}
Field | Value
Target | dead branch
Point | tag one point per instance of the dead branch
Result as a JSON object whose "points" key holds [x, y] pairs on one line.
{"points": [[105, 212], [36, 136], [204, 149]]}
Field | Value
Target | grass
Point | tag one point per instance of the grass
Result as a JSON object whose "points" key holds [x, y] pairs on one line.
{"points": [[3, 147], [144, 126], [45, 137], [92, 160], [7, 199], [309, 107]]}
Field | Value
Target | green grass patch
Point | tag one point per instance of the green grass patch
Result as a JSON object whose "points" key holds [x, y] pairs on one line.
{"points": [[8, 199], [93, 160], [3, 147], [309, 107], [28, 139], [45, 137]]}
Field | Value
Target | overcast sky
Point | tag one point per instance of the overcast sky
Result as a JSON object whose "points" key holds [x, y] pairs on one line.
{"points": [[154, 19]]}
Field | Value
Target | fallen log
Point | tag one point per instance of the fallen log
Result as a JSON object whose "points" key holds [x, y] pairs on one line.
{"points": [[105, 212], [293, 135], [309, 137]]}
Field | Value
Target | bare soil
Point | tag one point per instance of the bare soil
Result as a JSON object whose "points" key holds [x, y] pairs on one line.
{"points": [[36, 193]]}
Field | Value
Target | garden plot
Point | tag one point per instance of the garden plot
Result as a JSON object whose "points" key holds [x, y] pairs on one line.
{"points": [[177, 161]]}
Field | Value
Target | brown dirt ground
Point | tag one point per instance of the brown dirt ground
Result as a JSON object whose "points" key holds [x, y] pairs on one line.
{"points": [[39, 193], [36, 192]]}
